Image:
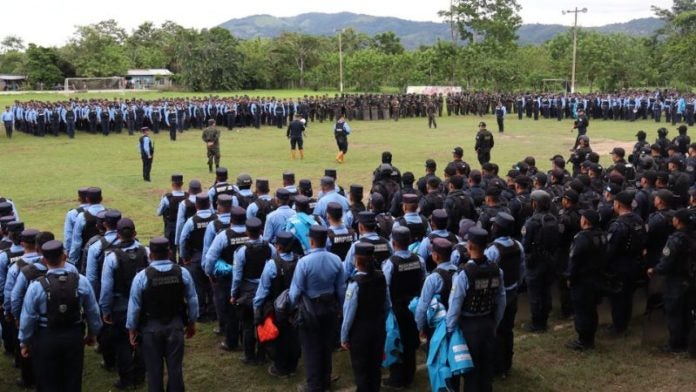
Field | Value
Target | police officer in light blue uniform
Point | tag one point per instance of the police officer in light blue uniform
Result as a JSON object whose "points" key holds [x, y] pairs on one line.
{"points": [[8, 120], [71, 215], [249, 262], [222, 222], [329, 195], [438, 282], [28, 242], [162, 302], [300, 223], [52, 327], [366, 231], [262, 199], [97, 251], [203, 211], [187, 208], [476, 305], [276, 220], [81, 233], [121, 263], [319, 278], [438, 221]]}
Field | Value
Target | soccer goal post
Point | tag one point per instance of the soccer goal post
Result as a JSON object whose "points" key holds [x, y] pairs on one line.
{"points": [[87, 84]]}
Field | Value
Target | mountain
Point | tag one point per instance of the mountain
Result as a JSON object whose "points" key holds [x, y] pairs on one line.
{"points": [[412, 33]]}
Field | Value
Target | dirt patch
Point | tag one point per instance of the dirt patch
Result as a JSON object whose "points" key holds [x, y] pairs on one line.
{"points": [[604, 146]]}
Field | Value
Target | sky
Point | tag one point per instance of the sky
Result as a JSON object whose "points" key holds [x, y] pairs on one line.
{"points": [[50, 23]]}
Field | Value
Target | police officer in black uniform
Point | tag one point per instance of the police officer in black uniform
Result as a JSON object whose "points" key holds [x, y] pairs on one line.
{"points": [[569, 219], [674, 266], [587, 258], [484, 144]]}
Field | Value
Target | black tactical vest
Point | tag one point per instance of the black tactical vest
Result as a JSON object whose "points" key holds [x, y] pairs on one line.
{"points": [[406, 280], [341, 243], [484, 283], [429, 262], [255, 256], [381, 250], [446, 276], [284, 273], [63, 308], [371, 298], [222, 188], [163, 297], [234, 241], [510, 258], [90, 228], [129, 263], [418, 229], [195, 240], [173, 209]]}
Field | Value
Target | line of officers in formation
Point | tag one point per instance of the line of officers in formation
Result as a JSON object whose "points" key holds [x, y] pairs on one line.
{"points": [[470, 241], [177, 114]]}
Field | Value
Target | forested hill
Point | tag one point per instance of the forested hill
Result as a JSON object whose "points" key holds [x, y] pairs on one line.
{"points": [[412, 33]]}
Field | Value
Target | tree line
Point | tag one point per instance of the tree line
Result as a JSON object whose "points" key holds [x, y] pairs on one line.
{"points": [[483, 54]]}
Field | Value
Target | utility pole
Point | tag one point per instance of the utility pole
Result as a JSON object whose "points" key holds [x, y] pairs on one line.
{"points": [[576, 11], [340, 60]]}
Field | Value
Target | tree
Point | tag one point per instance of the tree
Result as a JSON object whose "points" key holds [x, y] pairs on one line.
{"points": [[146, 47], [387, 43], [679, 38], [257, 71], [301, 50], [493, 23], [11, 43], [209, 60], [43, 66], [97, 50]]}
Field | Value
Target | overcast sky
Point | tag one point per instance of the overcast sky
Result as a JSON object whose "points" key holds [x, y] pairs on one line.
{"points": [[53, 22]]}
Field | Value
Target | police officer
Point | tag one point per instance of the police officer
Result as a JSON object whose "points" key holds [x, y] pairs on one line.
{"points": [[85, 224], [626, 242], [341, 132], [318, 288], [364, 315], [587, 258], [162, 303], [275, 279], [484, 144], [221, 187], [276, 220], [366, 232], [147, 151], [52, 323], [439, 282], [340, 236], [169, 207], [581, 125], [16, 250], [508, 254], [500, 112], [540, 236], [476, 305], [295, 133], [72, 214], [569, 220], [121, 264], [211, 137], [328, 187], [187, 209], [249, 261], [404, 273], [438, 223], [674, 266], [8, 121]]}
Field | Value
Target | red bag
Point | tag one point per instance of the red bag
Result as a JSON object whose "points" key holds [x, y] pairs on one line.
{"points": [[267, 331]]}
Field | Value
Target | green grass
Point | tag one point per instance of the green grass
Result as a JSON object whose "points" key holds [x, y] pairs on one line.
{"points": [[42, 175]]}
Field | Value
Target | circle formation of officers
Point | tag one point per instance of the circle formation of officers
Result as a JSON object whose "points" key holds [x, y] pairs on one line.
{"points": [[179, 114], [426, 260]]}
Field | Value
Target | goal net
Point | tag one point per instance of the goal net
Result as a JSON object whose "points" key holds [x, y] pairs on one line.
{"points": [[86, 84]]}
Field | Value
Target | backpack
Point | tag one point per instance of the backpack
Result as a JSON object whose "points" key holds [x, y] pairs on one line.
{"points": [[384, 224], [264, 208]]}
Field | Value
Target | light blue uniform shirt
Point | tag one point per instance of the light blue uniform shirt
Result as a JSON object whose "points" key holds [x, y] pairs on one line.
{"points": [[30, 258], [330, 197], [238, 267], [34, 308], [216, 247], [5, 263], [317, 273], [460, 284], [424, 247], [276, 221], [109, 301], [164, 202], [22, 284], [94, 252], [140, 283], [349, 262], [350, 307], [76, 244], [68, 226], [432, 285], [210, 233]]}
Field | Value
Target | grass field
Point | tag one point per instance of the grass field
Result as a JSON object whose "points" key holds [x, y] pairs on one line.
{"points": [[42, 175]]}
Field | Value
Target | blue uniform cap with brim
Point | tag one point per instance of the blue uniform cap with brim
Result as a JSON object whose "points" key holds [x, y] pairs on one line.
{"points": [[112, 216], [52, 249], [591, 215], [301, 201], [333, 208], [478, 236], [15, 227], [159, 245], [5, 220], [503, 220], [441, 245], [285, 239], [318, 232], [224, 200], [326, 180], [283, 194], [410, 198], [178, 178], [125, 224], [254, 224], [237, 216], [439, 217], [356, 189], [401, 234], [5, 209], [330, 173], [366, 217], [195, 185], [364, 249], [28, 236]]}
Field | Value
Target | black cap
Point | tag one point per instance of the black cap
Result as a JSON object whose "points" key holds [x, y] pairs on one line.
{"points": [[503, 220], [328, 181], [52, 249], [254, 224], [571, 195], [541, 177], [493, 191], [356, 189], [101, 215], [330, 173], [224, 201], [478, 236], [684, 216], [5, 209], [553, 158], [195, 185], [289, 176], [221, 172], [364, 249], [641, 134], [202, 198], [282, 194], [178, 178], [112, 217], [28, 236], [262, 183], [15, 227], [244, 180], [94, 192], [125, 224], [82, 192], [285, 239], [366, 217], [439, 217], [334, 208], [318, 232], [410, 198], [625, 198], [458, 151], [5, 220], [144, 129], [237, 216], [619, 151], [301, 201], [666, 195], [305, 184], [613, 189], [430, 164], [442, 245], [377, 200], [401, 234], [159, 245], [591, 215]]}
